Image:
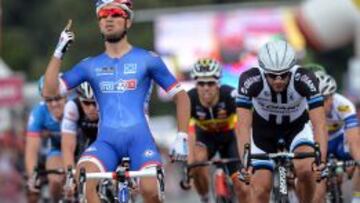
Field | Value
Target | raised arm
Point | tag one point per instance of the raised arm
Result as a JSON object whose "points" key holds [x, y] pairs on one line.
{"points": [[51, 87]]}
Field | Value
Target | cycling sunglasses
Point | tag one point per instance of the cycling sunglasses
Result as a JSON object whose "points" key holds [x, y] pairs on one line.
{"points": [[113, 12], [281, 76], [88, 103], [51, 99], [208, 83]]}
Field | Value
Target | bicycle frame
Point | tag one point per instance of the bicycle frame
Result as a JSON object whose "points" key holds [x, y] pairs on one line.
{"points": [[122, 177], [283, 161], [221, 184], [336, 168], [39, 177]]}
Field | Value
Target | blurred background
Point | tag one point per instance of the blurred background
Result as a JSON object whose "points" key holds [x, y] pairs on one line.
{"points": [[230, 31]]}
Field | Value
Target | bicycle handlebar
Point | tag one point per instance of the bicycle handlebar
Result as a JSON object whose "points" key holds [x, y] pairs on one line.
{"points": [[279, 155], [151, 172], [344, 164]]}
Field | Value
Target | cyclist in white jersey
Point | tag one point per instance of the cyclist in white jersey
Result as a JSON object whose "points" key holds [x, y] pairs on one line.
{"points": [[275, 101], [79, 125], [343, 128]]}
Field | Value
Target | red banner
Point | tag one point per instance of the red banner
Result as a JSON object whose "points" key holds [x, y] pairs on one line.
{"points": [[11, 91]]}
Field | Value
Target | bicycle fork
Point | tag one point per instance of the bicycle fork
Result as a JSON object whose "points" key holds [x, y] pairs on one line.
{"points": [[283, 188]]}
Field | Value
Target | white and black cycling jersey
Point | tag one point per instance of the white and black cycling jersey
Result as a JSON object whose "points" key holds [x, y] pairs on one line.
{"points": [[76, 122], [279, 108], [278, 114]]}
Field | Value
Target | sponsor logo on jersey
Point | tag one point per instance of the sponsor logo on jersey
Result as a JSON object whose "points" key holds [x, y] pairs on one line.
{"points": [[201, 115], [149, 153], [280, 109], [344, 108], [248, 82], [305, 79], [119, 86], [130, 68], [105, 71], [222, 113]]}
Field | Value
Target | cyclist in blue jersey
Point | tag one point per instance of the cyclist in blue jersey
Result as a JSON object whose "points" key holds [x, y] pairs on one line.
{"points": [[120, 78], [45, 120]]}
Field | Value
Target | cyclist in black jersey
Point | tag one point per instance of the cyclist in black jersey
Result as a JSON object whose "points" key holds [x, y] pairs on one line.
{"points": [[212, 124], [80, 124], [275, 101]]}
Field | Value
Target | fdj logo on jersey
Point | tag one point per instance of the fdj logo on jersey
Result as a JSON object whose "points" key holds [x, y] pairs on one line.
{"points": [[118, 87]]}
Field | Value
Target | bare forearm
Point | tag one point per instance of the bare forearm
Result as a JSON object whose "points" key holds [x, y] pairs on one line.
{"points": [[242, 139], [68, 146], [191, 144], [318, 120], [353, 139], [51, 87], [243, 129], [31, 154], [182, 110]]}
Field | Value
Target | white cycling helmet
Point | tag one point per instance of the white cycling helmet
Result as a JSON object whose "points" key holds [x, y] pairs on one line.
{"points": [[327, 84], [276, 57], [85, 92], [206, 67]]}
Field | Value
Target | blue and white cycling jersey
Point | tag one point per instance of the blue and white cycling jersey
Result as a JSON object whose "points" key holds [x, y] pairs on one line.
{"points": [[341, 118], [121, 87], [40, 120]]}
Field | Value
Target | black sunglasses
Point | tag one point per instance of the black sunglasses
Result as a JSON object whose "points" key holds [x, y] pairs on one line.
{"points": [[88, 103], [51, 99], [282, 76], [209, 83]]}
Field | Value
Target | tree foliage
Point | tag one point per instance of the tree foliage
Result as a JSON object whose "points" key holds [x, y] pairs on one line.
{"points": [[31, 29]]}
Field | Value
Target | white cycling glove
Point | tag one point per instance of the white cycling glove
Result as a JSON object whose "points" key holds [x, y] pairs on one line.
{"points": [[66, 38], [179, 149]]}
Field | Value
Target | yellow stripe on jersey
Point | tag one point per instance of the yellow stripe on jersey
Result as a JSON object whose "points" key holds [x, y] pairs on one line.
{"points": [[215, 125]]}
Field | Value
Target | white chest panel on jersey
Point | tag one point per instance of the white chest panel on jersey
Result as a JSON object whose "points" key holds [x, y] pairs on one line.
{"points": [[293, 107], [340, 110]]}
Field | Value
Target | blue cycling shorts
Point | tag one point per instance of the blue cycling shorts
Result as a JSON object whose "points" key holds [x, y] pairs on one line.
{"points": [[109, 149], [338, 148]]}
